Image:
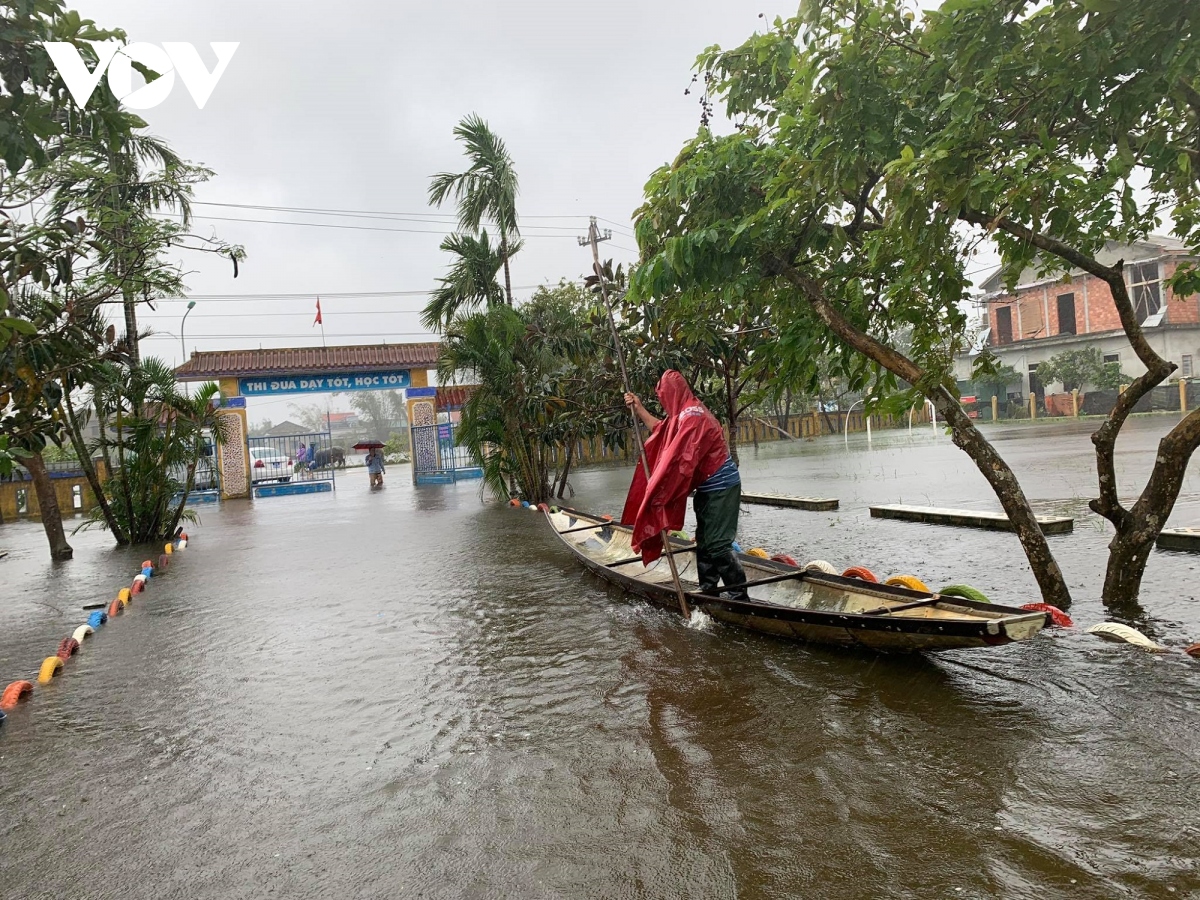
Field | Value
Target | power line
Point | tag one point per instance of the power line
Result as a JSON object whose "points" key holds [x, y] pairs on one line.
{"points": [[370, 213], [387, 217], [312, 295], [352, 227]]}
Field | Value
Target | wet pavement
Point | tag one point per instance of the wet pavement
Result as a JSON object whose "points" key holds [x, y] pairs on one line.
{"points": [[409, 693]]}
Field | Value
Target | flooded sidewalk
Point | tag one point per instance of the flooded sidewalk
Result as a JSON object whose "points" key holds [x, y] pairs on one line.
{"points": [[410, 693]]}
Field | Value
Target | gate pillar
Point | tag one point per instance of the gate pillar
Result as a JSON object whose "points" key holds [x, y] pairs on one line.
{"points": [[233, 456], [422, 439]]}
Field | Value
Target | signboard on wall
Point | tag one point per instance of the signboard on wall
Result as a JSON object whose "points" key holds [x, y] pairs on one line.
{"points": [[383, 380]]}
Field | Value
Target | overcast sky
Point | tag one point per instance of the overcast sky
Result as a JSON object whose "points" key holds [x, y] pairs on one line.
{"points": [[351, 105]]}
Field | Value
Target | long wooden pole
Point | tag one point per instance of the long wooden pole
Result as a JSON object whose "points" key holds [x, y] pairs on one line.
{"points": [[593, 239]]}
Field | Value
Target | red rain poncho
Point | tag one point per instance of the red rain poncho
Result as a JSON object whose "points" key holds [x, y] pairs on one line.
{"points": [[686, 449]]}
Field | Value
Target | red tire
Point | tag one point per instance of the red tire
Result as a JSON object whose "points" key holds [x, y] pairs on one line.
{"points": [[1192, 650], [147, 564], [114, 608], [1057, 616], [543, 507], [15, 693], [861, 573], [138, 587], [163, 561], [67, 648], [785, 559]]}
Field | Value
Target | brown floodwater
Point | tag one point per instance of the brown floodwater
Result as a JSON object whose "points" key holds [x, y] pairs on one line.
{"points": [[411, 693]]}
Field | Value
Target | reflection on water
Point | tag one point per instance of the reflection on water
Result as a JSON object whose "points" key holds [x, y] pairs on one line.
{"points": [[408, 693]]}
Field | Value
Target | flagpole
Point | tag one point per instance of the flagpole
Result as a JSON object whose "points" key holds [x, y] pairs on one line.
{"points": [[321, 322]]}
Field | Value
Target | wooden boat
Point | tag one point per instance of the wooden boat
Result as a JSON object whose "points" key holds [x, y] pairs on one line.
{"points": [[800, 605]]}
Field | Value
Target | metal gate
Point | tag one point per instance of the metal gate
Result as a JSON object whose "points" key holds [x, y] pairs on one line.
{"points": [[293, 463], [437, 459]]}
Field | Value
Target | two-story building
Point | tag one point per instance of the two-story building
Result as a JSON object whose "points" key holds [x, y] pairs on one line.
{"points": [[1043, 316]]}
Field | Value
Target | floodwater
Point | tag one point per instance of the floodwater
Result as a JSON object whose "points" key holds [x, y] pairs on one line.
{"points": [[410, 693]]}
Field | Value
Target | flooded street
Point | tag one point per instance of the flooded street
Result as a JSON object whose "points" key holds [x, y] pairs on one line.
{"points": [[409, 693]]}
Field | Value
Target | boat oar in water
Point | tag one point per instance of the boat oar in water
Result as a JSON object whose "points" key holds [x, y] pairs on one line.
{"points": [[593, 239]]}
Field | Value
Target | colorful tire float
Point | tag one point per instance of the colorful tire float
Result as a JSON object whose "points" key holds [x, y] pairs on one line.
{"points": [[912, 582], [96, 619], [1192, 650], [139, 585], [759, 552], [51, 666], [819, 565], [965, 591], [15, 693], [82, 632], [785, 559], [1057, 616], [147, 564], [163, 561], [168, 548], [67, 648], [124, 595], [148, 571], [861, 573], [114, 609], [544, 507]]}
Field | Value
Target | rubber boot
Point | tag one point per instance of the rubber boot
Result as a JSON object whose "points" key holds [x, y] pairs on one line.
{"points": [[709, 573], [733, 575]]}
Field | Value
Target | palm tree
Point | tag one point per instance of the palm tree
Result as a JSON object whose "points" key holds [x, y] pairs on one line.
{"points": [[487, 190], [471, 281], [122, 190]]}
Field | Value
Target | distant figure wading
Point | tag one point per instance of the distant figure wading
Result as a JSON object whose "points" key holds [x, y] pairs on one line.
{"points": [[375, 466]]}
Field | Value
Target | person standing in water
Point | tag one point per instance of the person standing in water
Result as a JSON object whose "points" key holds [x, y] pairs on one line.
{"points": [[687, 453], [375, 466]]}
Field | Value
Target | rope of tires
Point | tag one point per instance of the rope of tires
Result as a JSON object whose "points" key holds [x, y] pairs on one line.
{"points": [[52, 666]]}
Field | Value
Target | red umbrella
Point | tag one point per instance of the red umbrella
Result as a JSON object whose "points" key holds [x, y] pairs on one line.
{"points": [[368, 445]]}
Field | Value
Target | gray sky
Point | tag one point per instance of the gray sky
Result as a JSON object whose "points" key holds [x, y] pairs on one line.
{"points": [[350, 106]]}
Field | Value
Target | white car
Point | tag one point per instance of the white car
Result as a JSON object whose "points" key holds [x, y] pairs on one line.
{"points": [[267, 465]]}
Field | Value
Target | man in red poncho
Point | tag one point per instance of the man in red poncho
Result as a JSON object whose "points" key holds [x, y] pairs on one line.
{"points": [[687, 452]]}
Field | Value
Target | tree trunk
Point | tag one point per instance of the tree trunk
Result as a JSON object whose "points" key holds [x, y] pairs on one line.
{"points": [[507, 276], [1138, 528], [562, 485], [48, 505], [89, 470], [965, 435]]}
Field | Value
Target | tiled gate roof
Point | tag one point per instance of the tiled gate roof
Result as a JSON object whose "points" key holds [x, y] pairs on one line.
{"points": [[207, 365]]}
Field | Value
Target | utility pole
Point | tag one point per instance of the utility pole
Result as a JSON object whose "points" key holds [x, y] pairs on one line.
{"points": [[594, 234]]}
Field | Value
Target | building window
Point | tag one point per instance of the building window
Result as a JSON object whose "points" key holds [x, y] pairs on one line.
{"points": [[1145, 291], [1004, 325], [1111, 358], [1185, 367], [1066, 314]]}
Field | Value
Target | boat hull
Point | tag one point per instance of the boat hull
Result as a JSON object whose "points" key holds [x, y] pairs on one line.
{"points": [[801, 606]]}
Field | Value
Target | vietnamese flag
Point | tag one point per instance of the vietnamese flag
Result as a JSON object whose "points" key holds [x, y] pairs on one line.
{"points": [[317, 320]]}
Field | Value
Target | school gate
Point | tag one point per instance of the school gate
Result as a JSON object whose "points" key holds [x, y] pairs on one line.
{"points": [[312, 370]]}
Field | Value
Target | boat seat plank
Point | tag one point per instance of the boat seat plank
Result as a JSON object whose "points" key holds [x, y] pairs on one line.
{"points": [[627, 560], [586, 527], [884, 610]]}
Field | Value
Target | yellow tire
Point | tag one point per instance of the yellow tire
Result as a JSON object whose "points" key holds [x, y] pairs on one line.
{"points": [[908, 581], [125, 596], [168, 548], [51, 666], [759, 552]]}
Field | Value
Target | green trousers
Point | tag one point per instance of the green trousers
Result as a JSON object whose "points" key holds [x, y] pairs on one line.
{"points": [[716, 521]]}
